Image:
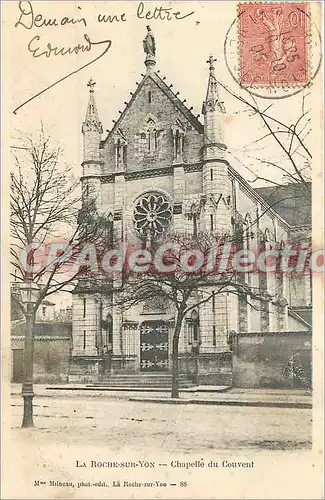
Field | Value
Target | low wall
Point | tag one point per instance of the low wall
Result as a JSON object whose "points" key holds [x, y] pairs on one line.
{"points": [[52, 348], [275, 360], [207, 368], [51, 359]]}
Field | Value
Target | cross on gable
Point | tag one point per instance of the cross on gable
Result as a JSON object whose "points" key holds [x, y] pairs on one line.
{"points": [[91, 84], [211, 62]]}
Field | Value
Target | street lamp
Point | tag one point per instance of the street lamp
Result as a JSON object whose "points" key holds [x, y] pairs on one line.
{"points": [[196, 340], [29, 295]]}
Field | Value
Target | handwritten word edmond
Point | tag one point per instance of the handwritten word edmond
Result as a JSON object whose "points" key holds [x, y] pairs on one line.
{"points": [[38, 48]]}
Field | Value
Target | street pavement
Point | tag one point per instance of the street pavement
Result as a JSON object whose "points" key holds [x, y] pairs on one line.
{"points": [[76, 427], [285, 398], [184, 427]]}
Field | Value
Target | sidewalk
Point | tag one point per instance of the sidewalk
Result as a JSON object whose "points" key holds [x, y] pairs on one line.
{"points": [[281, 398]]}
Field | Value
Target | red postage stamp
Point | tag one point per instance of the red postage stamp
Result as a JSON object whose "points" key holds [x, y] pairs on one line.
{"points": [[273, 44]]}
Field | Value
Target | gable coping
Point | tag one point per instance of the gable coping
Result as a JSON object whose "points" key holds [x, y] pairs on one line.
{"points": [[168, 92]]}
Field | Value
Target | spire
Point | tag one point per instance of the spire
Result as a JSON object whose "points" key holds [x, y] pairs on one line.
{"points": [[212, 101], [92, 121], [149, 47]]}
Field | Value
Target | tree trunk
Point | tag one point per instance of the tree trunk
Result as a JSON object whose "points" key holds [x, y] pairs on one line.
{"points": [[175, 371]]}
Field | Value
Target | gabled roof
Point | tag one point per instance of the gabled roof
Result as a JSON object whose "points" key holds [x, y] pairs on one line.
{"points": [[255, 195], [290, 201], [154, 76]]}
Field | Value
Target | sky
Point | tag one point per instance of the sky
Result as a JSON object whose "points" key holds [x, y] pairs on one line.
{"points": [[183, 47]]}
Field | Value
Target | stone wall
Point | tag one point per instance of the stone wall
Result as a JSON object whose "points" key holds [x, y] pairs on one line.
{"points": [[51, 359], [261, 360]]}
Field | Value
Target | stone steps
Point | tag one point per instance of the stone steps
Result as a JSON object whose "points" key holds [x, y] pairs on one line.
{"points": [[138, 381]]}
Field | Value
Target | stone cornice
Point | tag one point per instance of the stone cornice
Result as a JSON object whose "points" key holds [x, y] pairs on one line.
{"points": [[145, 174], [92, 162], [216, 160], [152, 172], [194, 167], [219, 145], [272, 334], [21, 338], [107, 179]]}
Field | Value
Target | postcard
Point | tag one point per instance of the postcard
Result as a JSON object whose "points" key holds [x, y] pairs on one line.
{"points": [[162, 249]]}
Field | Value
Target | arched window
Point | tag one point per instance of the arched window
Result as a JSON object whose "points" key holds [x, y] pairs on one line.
{"points": [[107, 327], [267, 235], [177, 140], [119, 151], [152, 136], [120, 145], [248, 230], [178, 136], [195, 325], [149, 136]]}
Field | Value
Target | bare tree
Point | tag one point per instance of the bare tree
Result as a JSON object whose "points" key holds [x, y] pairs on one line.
{"points": [[182, 289], [289, 138], [47, 208], [45, 205]]}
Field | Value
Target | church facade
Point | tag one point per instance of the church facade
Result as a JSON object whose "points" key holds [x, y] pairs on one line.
{"points": [[160, 168]]}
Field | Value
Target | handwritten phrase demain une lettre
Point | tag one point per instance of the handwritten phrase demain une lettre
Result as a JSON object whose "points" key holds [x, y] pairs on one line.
{"points": [[29, 19]]}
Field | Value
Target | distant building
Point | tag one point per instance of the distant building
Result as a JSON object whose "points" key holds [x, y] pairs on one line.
{"points": [[46, 311]]}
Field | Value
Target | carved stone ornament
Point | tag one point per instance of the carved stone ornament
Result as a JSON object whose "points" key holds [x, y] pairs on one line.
{"points": [[152, 215], [193, 207]]}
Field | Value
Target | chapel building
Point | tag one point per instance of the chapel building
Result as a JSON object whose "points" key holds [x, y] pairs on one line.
{"points": [[160, 168]]}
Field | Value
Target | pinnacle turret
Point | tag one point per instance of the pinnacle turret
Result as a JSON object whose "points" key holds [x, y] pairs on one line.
{"points": [[92, 121], [212, 101]]}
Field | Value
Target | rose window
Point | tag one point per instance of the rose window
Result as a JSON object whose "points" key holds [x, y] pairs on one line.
{"points": [[152, 215]]}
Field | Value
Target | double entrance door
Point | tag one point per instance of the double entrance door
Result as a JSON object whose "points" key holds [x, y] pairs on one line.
{"points": [[153, 346]]}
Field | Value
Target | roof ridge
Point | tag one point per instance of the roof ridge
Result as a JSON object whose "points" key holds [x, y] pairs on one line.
{"points": [[174, 98]]}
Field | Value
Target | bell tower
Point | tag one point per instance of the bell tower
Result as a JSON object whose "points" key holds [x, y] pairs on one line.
{"points": [[216, 186], [91, 165]]}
